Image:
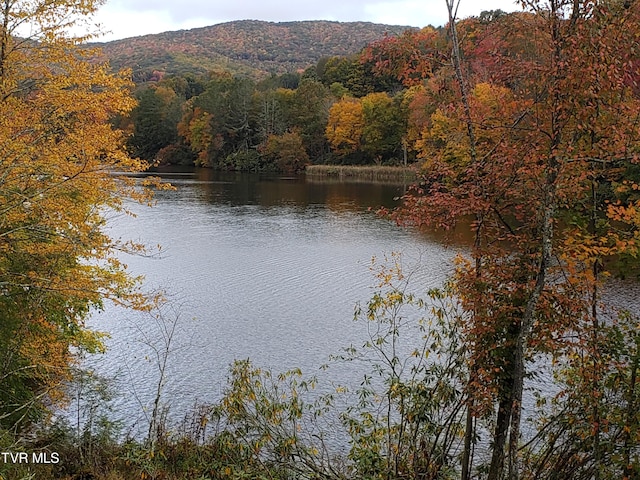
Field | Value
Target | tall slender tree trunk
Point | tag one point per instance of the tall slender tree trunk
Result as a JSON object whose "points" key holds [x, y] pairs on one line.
{"points": [[452, 7], [468, 441], [548, 215], [500, 434], [4, 41]]}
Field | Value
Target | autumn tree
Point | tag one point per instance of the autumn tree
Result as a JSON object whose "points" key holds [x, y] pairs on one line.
{"points": [[58, 153], [195, 128], [345, 126], [410, 57], [288, 151], [548, 137], [384, 126]]}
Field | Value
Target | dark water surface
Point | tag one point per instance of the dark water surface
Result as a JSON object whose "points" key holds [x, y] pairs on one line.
{"points": [[266, 268]]}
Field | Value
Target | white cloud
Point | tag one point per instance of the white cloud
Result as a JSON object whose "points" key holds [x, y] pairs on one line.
{"points": [[127, 18], [410, 12]]}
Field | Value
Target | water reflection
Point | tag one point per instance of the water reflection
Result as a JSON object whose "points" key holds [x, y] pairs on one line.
{"points": [[262, 267], [278, 190], [299, 192]]}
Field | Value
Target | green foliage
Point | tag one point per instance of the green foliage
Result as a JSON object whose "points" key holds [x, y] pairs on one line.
{"points": [[592, 427], [355, 74], [488, 16], [288, 151], [272, 112], [216, 123], [155, 120], [264, 414], [407, 421], [289, 81], [384, 127], [309, 114], [342, 70], [245, 161]]}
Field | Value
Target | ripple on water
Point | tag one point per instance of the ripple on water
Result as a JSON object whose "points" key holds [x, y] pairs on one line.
{"points": [[275, 282]]}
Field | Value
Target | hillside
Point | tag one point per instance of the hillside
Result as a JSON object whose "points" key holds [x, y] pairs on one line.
{"points": [[251, 47]]}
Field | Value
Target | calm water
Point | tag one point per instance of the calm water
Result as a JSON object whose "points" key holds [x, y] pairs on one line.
{"points": [[266, 268]]}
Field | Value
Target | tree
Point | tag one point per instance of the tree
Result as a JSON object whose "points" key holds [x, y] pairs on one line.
{"points": [[58, 153], [383, 126], [217, 123], [309, 114], [548, 138], [273, 112], [155, 120], [195, 127], [288, 151], [345, 125], [409, 58]]}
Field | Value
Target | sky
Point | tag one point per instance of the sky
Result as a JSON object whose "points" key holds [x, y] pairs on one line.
{"points": [[129, 18]]}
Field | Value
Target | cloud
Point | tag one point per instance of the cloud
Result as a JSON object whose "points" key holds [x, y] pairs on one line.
{"points": [[127, 18], [224, 10], [412, 12]]}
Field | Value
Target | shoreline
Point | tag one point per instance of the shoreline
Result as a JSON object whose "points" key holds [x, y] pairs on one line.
{"points": [[359, 173]]}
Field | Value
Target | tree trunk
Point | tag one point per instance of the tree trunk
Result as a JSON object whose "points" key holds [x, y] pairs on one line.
{"points": [[546, 240], [548, 215], [500, 437], [468, 440]]}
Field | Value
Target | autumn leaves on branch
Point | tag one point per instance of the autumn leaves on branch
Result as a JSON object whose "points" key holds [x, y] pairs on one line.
{"points": [[531, 131], [57, 154]]}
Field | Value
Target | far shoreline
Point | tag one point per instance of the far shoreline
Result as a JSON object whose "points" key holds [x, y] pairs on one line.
{"points": [[361, 173]]}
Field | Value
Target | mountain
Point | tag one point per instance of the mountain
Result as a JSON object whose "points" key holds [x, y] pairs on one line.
{"points": [[251, 47]]}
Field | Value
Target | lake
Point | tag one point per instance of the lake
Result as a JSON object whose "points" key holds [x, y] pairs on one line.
{"points": [[262, 267], [268, 268]]}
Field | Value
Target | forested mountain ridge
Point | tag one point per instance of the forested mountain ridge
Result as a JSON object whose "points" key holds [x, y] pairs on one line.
{"points": [[250, 47]]}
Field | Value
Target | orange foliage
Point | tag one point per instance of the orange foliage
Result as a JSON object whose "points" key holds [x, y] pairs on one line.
{"points": [[59, 159], [411, 57], [543, 123], [288, 151]]}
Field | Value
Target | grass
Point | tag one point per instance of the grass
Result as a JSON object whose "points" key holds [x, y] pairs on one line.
{"points": [[357, 173]]}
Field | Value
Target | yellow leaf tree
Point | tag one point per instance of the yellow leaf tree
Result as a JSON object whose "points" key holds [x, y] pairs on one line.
{"points": [[345, 126], [58, 156]]}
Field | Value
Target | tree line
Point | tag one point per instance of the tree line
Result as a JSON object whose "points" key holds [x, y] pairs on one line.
{"points": [[338, 111]]}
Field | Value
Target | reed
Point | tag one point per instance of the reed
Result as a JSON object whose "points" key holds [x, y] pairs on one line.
{"points": [[358, 173]]}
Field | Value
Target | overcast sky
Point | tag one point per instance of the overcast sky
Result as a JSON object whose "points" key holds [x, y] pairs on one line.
{"points": [[129, 18]]}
